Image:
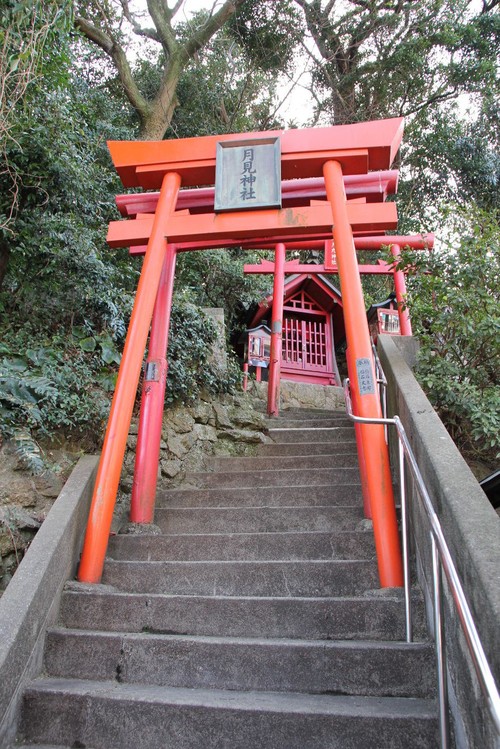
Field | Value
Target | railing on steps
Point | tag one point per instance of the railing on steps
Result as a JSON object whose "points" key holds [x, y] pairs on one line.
{"points": [[441, 560]]}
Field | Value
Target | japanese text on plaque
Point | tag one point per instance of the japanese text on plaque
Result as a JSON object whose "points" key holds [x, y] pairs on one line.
{"points": [[248, 176]]}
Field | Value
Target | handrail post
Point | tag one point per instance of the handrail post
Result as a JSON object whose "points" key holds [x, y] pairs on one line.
{"points": [[440, 647], [147, 455], [405, 531], [362, 376], [115, 440], [273, 386]]}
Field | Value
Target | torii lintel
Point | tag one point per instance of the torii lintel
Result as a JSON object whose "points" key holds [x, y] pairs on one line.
{"points": [[359, 148]]}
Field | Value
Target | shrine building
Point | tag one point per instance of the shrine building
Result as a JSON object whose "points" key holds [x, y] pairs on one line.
{"points": [[313, 326]]}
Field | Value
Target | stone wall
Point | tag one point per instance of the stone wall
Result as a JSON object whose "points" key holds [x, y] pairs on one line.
{"points": [[304, 395], [472, 532], [228, 425], [25, 501]]}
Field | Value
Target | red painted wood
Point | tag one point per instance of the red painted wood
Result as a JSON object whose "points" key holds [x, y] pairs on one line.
{"points": [[273, 389], [234, 226], [375, 187], [304, 151], [152, 400], [358, 339]]}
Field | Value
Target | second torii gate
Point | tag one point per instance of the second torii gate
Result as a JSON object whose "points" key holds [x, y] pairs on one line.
{"points": [[328, 152], [279, 268]]}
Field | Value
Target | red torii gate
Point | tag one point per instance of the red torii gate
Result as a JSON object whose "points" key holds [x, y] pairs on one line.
{"points": [[305, 154]]}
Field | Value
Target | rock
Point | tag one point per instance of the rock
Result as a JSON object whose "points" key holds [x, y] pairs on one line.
{"points": [[222, 416], [179, 420], [142, 529], [205, 433], [21, 491], [170, 468], [202, 412], [132, 441], [305, 395], [226, 447], [181, 445], [49, 485], [126, 484], [129, 463], [16, 517], [196, 460], [245, 435], [365, 525], [247, 418], [134, 427]]}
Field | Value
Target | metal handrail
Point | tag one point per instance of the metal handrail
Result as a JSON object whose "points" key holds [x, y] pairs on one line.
{"points": [[441, 558]]}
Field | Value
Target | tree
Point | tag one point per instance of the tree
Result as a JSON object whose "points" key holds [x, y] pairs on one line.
{"points": [[32, 45], [375, 58], [455, 312], [103, 24]]}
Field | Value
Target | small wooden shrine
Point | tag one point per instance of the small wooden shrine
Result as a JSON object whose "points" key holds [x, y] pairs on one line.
{"points": [[384, 317], [313, 325]]}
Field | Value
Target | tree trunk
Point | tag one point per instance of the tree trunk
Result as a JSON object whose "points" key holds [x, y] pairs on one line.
{"points": [[156, 121]]}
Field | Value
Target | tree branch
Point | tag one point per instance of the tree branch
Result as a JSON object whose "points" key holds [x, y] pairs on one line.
{"points": [[161, 18], [489, 6], [215, 22], [178, 5], [94, 34], [137, 28], [115, 51]]}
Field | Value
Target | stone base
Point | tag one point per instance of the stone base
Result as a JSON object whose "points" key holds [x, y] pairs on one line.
{"points": [[305, 395]]}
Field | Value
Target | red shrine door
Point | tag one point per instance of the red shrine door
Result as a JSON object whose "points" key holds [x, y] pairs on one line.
{"points": [[307, 351]]}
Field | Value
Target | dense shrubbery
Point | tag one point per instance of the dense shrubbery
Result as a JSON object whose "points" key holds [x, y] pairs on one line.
{"points": [[192, 364], [66, 297], [456, 316], [64, 380]]}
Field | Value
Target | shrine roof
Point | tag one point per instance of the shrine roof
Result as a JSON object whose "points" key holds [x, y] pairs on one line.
{"points": [[316, 285]]}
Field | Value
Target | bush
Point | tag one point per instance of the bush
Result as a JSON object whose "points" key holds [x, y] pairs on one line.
{"points": [[192, 364], [455, 313]]}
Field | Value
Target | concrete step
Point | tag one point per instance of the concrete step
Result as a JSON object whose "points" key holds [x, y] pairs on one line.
{"points": [[269, 578], [256, 496], [257, 519], [243, 546], [384, 669], [310, 423], [40, 746], [286, 477], [310, 413], [373, 616], [327, 434], [104, 715], [348, 459], [306, 448]]}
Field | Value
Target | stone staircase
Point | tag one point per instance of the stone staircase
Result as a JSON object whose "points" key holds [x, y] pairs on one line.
{"points": [[250, 619]]}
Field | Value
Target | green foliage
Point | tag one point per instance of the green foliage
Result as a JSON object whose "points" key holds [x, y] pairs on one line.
{"points": [[193, 365], [455, 313], [236, 95], [215, 279], [393, 59], [60, 381], [268, 32], [65, 297], [33, 44]]}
